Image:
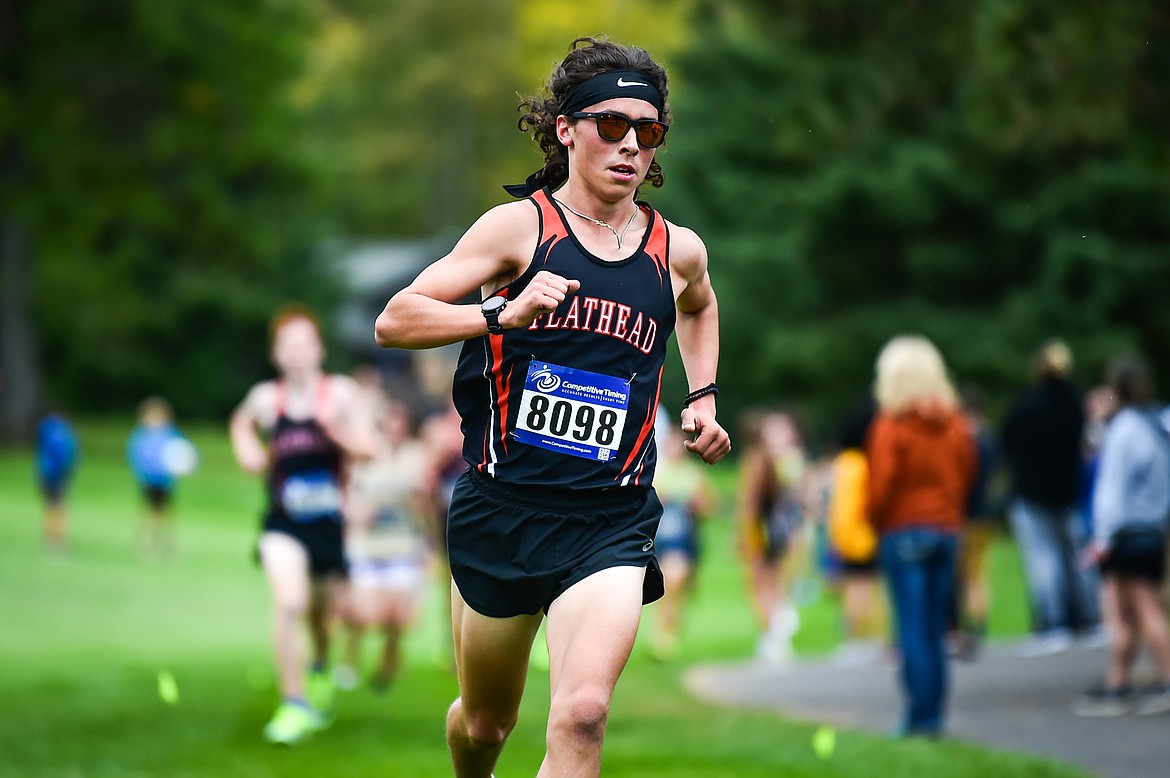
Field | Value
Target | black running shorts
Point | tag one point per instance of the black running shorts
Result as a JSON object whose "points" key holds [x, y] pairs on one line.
{"points": [[54, 488], [1137, 552], [157, 497], [322, 540], [515, 549]]}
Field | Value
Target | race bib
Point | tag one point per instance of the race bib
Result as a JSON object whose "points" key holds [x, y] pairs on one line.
{"points": [[310, 496], [572, 412]]}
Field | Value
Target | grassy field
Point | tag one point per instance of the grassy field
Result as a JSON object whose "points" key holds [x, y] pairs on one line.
{"points": [[83, 641]]}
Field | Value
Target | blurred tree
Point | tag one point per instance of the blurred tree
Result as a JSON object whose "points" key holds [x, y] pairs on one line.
{"points": [[169, 170], [412, 104], [408, 104], [148, 161], [987, 173], [20, 375]]}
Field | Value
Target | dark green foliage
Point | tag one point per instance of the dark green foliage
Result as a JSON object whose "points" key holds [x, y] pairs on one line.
{"points": [[181, 163], [168, 208], [989, 174]]}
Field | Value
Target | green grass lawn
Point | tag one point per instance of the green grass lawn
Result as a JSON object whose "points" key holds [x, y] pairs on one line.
{"points": [[83, 641]]}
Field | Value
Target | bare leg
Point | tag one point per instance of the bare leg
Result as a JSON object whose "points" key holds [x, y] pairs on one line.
{"points": [[286, 565], [353, 645], [855, 605], [164, 532], [865, 612], [1155, 631], [765, 583], [323, 596], [491, 657], [390, 658], [676, 573], [976, 590], [1120, 622], [591, 630], [55, 526], [779, 619], [353, 621], [978, 597]]}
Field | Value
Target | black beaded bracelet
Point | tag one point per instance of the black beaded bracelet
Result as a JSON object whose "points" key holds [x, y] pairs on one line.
{"points": [[706, 390]]}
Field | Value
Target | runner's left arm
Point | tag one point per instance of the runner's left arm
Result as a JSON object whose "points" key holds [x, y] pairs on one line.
{"points": [[697, 330]]}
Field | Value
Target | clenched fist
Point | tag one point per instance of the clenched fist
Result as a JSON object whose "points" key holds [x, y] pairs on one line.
{"points": [[542, 295]]}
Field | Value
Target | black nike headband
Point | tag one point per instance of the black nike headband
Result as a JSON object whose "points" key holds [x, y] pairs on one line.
{"points": [[609, 85]]}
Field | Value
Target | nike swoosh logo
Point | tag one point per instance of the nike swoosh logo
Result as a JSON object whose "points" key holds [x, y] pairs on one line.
{"points": [[622, 82]]}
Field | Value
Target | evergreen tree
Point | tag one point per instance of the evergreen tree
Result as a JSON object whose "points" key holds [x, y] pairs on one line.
{"points": [[988, 174]]}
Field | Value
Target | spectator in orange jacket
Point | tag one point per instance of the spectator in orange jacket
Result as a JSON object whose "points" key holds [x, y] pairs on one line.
{"points": [[921, 465]]}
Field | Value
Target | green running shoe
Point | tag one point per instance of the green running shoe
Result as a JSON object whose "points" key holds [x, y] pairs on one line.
{"points": [[321, 692], [292, 723]]}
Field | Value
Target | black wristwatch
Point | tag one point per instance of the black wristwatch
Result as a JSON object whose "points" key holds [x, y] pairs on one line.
{"points": [[491, 309]]}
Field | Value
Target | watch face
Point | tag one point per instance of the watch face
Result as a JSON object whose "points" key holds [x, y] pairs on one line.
{"points": [[493, 304]]}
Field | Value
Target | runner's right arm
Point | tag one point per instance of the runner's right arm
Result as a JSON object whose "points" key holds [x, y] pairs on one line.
{"points": [[250, 451], [491, 254]]}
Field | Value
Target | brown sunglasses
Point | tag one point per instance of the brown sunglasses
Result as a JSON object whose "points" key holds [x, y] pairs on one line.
{"points": [[612, 127]]}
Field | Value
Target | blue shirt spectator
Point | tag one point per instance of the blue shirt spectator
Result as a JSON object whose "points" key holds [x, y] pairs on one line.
{"points": [[1133, 475], [57, 449]]}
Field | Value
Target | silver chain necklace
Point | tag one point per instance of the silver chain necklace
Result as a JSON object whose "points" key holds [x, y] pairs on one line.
{"points": [[601, 223]]}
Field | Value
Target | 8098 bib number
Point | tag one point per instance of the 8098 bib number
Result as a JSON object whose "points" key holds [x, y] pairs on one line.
{"points": [[573, 412], [558, 416]]}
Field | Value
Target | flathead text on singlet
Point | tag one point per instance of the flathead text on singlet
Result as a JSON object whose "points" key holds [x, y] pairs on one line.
{"points": [[604, 317]]}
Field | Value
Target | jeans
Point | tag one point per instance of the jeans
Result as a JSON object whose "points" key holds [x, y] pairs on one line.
{"points": [[919, 564], [1063, 595]]}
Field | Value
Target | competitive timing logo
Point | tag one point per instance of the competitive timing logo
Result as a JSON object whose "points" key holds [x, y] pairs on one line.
{"points": [[546, 381]]}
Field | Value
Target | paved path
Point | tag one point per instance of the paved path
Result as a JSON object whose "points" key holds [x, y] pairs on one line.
{"points": [[1003, 700]]}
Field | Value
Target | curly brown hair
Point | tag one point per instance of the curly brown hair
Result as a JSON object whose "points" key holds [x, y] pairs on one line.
{"points": [[586, 58]]}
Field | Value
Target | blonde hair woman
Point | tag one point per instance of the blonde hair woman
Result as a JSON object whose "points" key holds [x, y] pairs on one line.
{"points": [[921, 466], [910, 373]]}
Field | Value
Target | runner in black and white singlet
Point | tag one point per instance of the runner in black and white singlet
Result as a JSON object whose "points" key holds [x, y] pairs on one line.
{"points": [[297, 431], [557, 387], [304, 483]]}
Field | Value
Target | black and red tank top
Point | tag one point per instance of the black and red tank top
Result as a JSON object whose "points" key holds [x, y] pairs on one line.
{"points": [[570, 400], [304, 480]]}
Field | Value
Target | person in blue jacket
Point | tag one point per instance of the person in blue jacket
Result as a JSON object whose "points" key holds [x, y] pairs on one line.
{"points": [[56, 460], [158, 454]]}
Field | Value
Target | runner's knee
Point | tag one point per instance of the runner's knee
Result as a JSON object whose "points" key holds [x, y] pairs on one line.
{"points": [[1124, 638], [290, 609], [488, 727], [582, 715]]}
